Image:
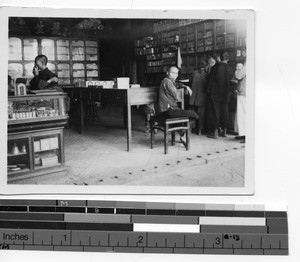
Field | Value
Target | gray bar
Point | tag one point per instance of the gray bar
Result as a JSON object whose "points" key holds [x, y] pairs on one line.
{"points": [[97, 249], [31, 216], [16, 236], [165, 219], [250, 241], [129, 249], [41, 202], [189, 206], [128, 239], [71, 203], [165, 240], [52, 237], [89, 238], [131, 205], [218, 251], [160, 205], [158, 250], [275, 241], [188, 250], [219, 207], [16, 247], [13, 202], [233, 229], [98, 203], [97, 218], [232, 241], [277, 225], [38, 247], [194, 240], [68, 248], [283, 252], [248, 251]]}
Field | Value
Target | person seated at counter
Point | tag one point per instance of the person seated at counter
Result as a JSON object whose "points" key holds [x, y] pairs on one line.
{"points": [[43, 77], [167, 100]]}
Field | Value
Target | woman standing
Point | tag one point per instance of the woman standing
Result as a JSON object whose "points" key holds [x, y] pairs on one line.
{"points": [[240, 117]]}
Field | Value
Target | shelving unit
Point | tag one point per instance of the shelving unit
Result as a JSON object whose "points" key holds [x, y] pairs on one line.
{"points": [[35, 135], [197, 39], [73, 60]]}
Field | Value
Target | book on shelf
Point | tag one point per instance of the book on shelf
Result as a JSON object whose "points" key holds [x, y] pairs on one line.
{"points": [[48, 159]]}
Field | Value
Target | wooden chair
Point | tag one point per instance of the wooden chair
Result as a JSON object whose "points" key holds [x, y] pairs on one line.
{"points": [[171, 125]]}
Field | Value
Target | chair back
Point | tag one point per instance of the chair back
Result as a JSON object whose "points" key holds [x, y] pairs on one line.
{"points": [[180, 97]]}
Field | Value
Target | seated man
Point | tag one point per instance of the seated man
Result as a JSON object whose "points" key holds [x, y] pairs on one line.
{"points": [[167, 100], [43, 77]]}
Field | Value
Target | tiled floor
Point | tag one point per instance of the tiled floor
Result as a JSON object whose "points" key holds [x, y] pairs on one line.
{"points": [[99, 157]]}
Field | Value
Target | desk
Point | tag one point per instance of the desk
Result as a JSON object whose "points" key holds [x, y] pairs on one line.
{"points": [[122, 97]]}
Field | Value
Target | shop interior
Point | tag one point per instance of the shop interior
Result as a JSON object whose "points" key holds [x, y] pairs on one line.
{"points": [[93, 129]]}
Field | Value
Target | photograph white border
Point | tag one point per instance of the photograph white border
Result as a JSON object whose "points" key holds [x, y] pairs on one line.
{"points": [[6, 12]]}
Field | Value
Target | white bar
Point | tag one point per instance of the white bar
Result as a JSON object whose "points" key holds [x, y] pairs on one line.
{"points": [[250, 207], [180, 228], [232, 221], [275, 207]]}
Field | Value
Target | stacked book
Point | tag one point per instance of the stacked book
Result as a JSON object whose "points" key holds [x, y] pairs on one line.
{"points": [[49, 159]]}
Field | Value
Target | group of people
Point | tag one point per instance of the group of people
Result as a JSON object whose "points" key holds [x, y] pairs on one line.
{"points": [[209, 94]]}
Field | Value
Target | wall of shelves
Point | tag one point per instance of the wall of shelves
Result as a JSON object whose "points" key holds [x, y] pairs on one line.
{"points": [[197, 39], [72, 60]]}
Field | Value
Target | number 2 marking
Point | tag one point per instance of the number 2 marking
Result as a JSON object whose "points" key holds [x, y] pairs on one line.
{"points": [[140, 240]]}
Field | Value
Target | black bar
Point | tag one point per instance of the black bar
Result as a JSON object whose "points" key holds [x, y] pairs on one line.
{"points": [[219, 213], [100, 210], [99, 226], [161, 212], [13, 208], [41, 209], [249, 213], [131, 211], [70, 209], [275, 214], [31, 216], [190, 212], [32, 225]]}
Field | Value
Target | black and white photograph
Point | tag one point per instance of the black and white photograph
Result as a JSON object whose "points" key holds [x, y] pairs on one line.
{"points": [[129, 102]]}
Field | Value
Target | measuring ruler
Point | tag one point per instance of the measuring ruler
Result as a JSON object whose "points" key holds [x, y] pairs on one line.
{"points": [[142, 227]]}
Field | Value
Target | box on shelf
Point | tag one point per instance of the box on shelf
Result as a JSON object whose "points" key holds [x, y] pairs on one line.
{"points": [[53, 142], [49, 159], [123, 82], [45, 144], [37, 145]]}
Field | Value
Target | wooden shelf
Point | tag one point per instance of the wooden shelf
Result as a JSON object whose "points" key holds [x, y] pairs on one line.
{"points": [[34, 129], [33, 120], [46, 150], [15, 155], [24, 170]]}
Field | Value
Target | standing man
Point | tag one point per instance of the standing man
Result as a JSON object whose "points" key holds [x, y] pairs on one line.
{"points": [[198, 97], [219, 92], [43, 77]]}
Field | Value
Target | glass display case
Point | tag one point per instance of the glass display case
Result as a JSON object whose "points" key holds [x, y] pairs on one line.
{"points": [[35, 107], [35, 135]]}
